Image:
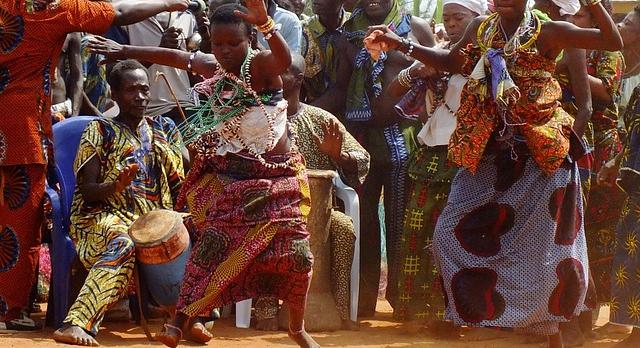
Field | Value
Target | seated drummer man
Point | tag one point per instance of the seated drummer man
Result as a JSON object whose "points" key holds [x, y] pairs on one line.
{"points": [[125, 168], [326, 145]]}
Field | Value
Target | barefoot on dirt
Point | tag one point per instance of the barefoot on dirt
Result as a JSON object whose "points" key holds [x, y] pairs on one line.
{"points": [[74, 335]]}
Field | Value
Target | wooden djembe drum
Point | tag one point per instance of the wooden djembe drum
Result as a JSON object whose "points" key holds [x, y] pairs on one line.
{"points": [[321, 313], [162, 249]]}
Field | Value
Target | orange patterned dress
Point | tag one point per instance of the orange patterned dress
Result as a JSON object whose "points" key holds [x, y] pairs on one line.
{"points": [[540, 120], [32, 33], [510, 243]]}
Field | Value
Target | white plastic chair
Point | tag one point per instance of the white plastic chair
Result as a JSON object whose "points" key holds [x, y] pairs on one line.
{"points": [[243, 314], [351, 209]]}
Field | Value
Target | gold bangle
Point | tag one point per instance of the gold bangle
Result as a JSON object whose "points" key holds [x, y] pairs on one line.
{"points": [[267, 26]]}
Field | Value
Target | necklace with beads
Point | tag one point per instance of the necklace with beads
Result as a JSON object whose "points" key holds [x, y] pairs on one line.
{"points": [[231, 112], [523, 38]]}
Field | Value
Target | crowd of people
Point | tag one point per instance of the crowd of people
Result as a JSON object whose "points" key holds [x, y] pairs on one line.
{"points": [[501, 139]]}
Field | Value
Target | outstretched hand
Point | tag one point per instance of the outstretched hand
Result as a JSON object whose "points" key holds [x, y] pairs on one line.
{"points": [[256, 12], [331, 142], [109, 48], [382, 35]]}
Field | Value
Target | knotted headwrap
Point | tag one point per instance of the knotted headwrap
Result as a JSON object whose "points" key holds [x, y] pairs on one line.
{"points": [[478, 6]]}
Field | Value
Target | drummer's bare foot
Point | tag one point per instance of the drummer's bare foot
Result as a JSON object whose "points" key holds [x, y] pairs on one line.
{"points": [[170, 336], [303, 339], [74, 335], [199, 333], [269, 324]]}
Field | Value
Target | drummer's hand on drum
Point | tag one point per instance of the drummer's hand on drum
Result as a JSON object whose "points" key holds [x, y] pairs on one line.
{"points": [[126, 176], [331, 142]]}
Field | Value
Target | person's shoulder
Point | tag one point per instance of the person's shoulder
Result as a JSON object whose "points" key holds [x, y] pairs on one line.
{"points": [[185, 17], [285, 14], [318, 113], [419, 21], [101, 126]]}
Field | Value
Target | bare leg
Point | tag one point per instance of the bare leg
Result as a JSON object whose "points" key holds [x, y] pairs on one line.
{"points": [[296, 329], [586, 324], [555, 341], [74, 335], [572, 335]]}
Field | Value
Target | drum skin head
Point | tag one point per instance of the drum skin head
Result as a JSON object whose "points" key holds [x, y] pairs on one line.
{"points": [[155, 227], [160, 236], [320, 173]]}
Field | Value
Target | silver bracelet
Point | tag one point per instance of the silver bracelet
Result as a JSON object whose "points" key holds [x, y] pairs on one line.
{"points": [[189, 64], [405, 78]]}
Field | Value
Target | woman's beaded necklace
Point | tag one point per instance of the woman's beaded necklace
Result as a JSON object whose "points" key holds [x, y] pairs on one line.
{"points": [[523, 38], [232, 111]]}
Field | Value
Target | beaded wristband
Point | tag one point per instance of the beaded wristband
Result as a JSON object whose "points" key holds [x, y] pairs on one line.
{"points": [[267, 26], [408, 44], [410, 49], [189, 64]]}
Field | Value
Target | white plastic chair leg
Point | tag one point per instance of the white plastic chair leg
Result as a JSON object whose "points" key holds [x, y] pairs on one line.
{"points": [[352, 208], [243, 314]]}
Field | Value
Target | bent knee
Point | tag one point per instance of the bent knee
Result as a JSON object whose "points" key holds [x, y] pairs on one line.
{"points": [[342, 226]]}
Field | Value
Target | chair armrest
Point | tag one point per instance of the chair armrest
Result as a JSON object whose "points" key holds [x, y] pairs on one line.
{"points": [[348, 195]]}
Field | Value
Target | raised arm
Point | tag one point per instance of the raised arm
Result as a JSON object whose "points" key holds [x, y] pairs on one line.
{"points": [[579, 79], [201, 63], [560, 35], [75, 88], [129, 12], [440, 59], [276, 60]]}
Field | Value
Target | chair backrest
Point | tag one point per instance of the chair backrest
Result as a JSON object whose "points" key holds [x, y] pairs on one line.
{"points": [[66, 138]]}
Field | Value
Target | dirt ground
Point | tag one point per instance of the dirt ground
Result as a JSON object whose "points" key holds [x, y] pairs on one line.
{"points": [[379, 332]]}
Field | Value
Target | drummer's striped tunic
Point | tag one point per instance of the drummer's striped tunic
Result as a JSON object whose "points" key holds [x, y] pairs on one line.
{"points": [[100, 230]]}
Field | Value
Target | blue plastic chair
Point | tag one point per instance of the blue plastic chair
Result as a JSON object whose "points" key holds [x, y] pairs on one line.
{"points": [[66, 138]]}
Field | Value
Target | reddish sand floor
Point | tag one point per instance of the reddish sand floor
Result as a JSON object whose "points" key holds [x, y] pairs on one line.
{"points": [[379, 332]]}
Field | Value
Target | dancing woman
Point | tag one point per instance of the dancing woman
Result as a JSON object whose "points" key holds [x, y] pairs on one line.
{"points": [[246, 190], [510, 242]]}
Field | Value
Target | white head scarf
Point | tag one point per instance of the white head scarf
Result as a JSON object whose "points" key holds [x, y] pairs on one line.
{"points": [[568, 7], [477, 6]]}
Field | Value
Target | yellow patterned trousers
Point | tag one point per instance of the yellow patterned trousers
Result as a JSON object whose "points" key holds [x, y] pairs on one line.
{"points": [[109, 257]]}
